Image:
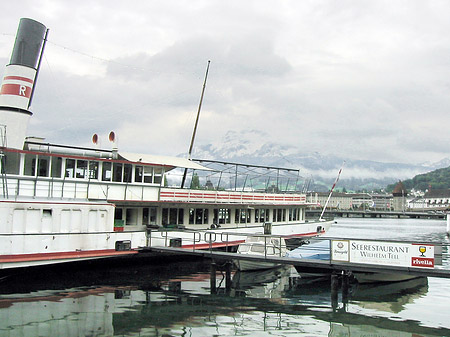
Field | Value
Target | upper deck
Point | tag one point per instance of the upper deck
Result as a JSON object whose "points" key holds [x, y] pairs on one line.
{"points": [[55, 171]]}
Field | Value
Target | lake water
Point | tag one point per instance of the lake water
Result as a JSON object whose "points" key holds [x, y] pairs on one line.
{"points": [[174, 299]]}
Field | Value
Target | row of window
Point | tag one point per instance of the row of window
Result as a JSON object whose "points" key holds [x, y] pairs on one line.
{"points": [[57, 167], [200, 216], [130, 216]]}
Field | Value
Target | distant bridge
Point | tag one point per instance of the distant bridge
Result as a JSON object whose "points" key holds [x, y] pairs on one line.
{"points": [[315, 213]]}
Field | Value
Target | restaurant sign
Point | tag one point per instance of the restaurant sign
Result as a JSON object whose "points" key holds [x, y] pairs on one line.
{"points": [[383, 253]]}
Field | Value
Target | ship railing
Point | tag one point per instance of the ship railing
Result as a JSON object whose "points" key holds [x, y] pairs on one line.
{"points": [[209, 240], [194, 195]]}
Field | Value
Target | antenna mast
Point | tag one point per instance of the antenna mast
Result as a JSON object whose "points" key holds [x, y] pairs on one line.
{"points": [[196, 123]]}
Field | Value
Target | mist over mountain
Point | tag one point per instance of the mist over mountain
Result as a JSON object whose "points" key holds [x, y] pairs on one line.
{"points": [[252, 147]]}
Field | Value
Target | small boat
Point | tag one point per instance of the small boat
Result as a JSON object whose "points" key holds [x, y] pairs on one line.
{"points": [[263, 246], [316, 250]]}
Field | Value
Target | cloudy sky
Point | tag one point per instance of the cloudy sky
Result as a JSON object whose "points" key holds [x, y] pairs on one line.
{"points": [[358, 79]]}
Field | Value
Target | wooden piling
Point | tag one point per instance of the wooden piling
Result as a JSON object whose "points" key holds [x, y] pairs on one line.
{"points": [[228, 266], [212, 279], [345, 286], [334, 290]]}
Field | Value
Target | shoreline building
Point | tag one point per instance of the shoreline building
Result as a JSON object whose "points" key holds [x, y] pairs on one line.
{"points": [[399, 197]]}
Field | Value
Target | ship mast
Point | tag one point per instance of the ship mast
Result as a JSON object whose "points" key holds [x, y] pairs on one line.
{"points": [[196, 124], [331, 192]]}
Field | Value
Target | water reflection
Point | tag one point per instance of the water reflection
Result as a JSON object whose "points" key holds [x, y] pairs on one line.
{"points": [[158, 300], [390, 297]]}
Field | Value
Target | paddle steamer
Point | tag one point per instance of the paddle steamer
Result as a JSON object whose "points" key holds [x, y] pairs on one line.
{"points": [[62, 203]]}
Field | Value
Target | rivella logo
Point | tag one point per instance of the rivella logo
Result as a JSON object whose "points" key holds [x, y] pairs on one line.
{"points": [[422, 262]]}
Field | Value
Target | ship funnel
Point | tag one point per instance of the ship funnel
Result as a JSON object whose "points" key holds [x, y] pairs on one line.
{"points": [[18, 81], [27, 47]]}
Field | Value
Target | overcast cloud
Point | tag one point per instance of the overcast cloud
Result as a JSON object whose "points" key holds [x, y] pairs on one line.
{"points": [[357, 79]]}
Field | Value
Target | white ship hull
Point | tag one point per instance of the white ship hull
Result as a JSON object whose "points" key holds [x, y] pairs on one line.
{"points": [[36, 233]]}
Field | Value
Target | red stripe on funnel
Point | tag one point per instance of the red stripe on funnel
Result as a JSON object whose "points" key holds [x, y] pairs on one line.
{"points": [[16, 89], [18, 78]]}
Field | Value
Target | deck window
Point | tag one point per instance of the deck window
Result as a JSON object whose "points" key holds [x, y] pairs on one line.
{"points": [[56, 167], [106, 171], [81, 171], [180, 216], [221, 216], [198, 216], [131, 217], [127, 169], [237, 214], [70, 168], [117, 172], [157, 179], [149, 216], [138, 172], [11, 163], [148, 174], [118, 213], [261, 215], [30, 165], [165, 216], [296, 214], [242, 216], [279, 215], [173, 216], [93, 170], [191, 215]]}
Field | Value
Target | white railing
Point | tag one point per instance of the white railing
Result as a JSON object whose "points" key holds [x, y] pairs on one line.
{"points": [[185, 195]]}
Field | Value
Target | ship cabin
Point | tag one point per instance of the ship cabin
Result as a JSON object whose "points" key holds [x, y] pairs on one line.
{"points": [[153, 191]]}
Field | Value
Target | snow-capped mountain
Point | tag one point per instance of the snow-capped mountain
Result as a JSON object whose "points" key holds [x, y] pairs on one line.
{"points": [[252, 147]]}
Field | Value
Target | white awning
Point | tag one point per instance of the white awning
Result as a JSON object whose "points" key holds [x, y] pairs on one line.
{"points": [[162, 160]]}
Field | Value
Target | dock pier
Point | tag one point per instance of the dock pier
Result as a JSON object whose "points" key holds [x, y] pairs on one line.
{"points": [[340, 271]]}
